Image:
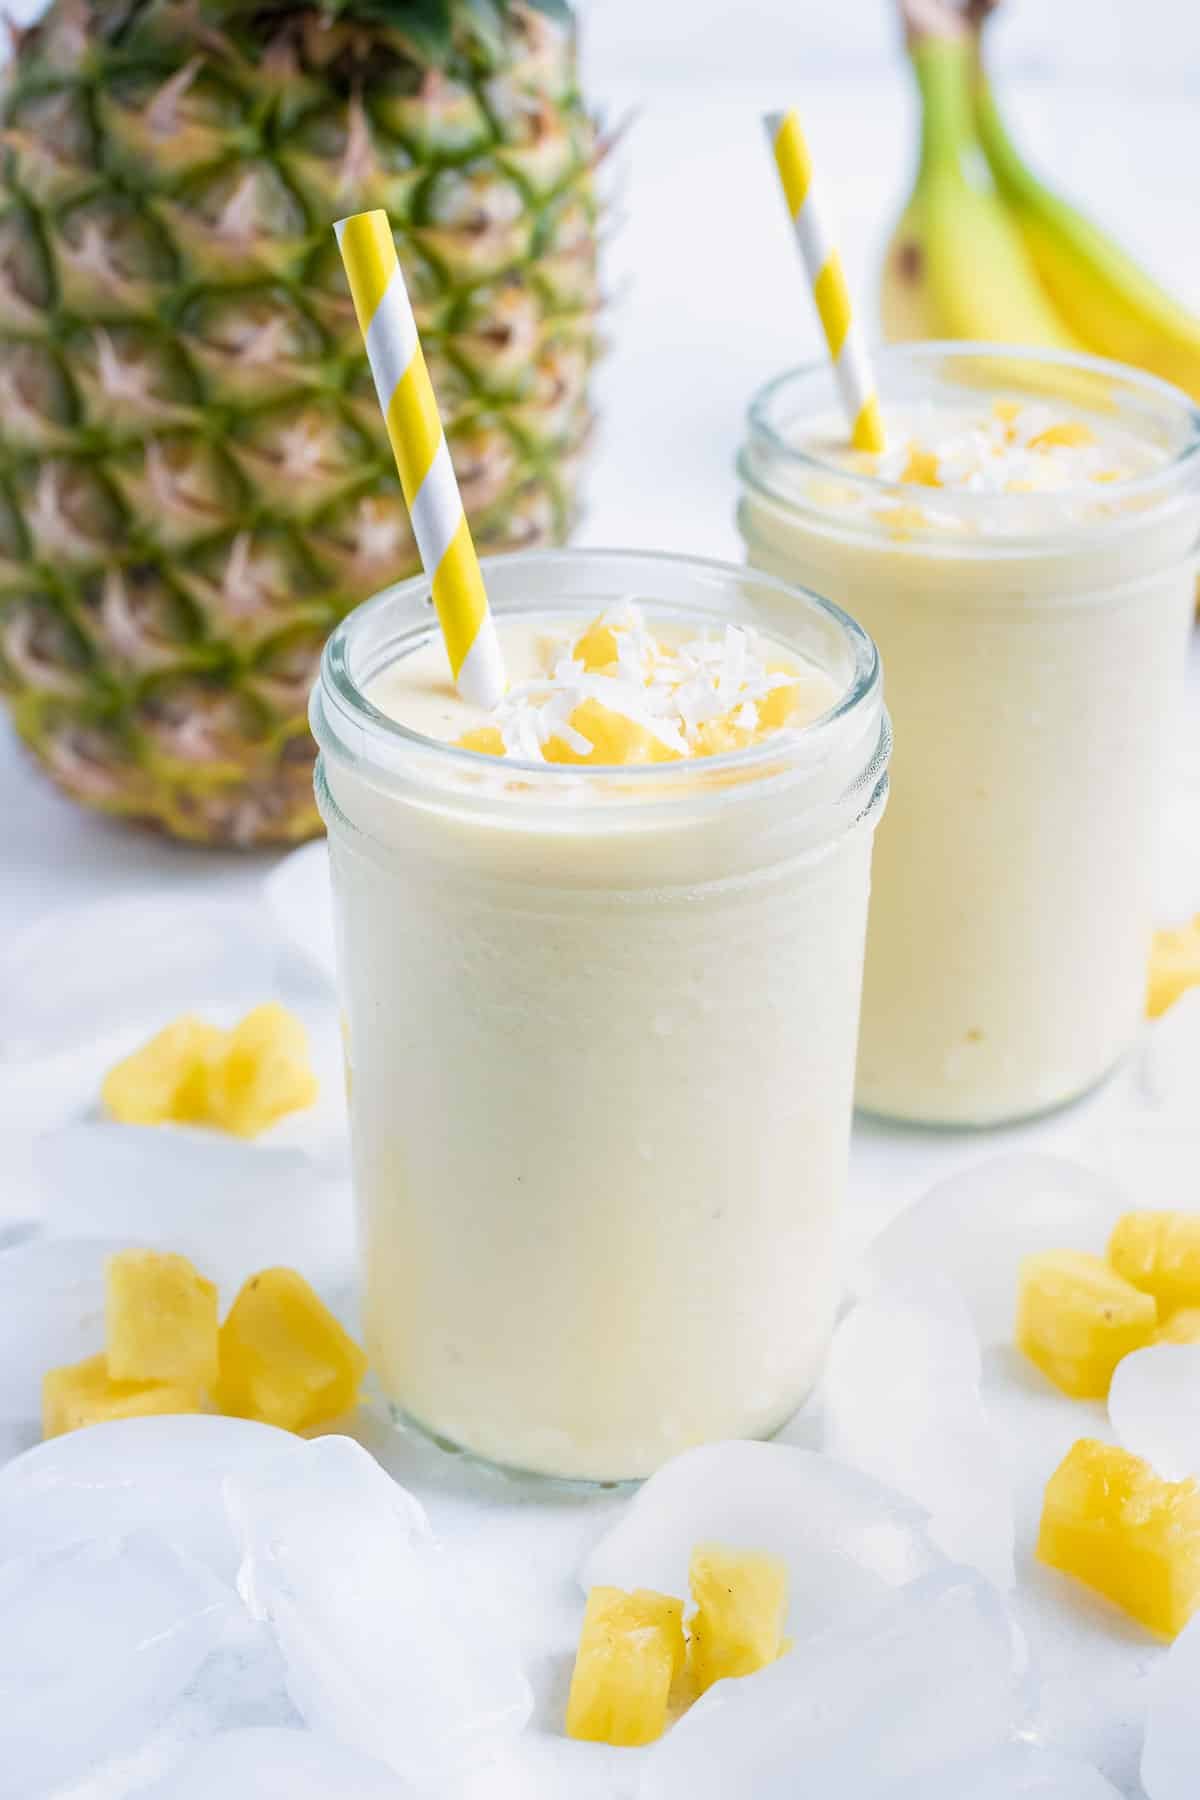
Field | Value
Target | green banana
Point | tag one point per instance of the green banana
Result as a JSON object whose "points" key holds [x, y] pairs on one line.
{"points": [[957, 267], [1112, 304]]}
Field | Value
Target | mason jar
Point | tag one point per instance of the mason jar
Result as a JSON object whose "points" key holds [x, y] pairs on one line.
{"points": [[601, 1028], [1034, 647]]}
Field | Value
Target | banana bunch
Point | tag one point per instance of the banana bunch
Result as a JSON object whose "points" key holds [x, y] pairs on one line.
{"points": [[1003, 258]]}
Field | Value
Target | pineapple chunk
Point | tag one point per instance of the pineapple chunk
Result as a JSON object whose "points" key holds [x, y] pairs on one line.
{"points": [[1070, 434], [485, 740], [284, 1359], [631, 1651], [779, 703], [597, 648], [614, 739], [165, 1081], [84, 1393], [264, 1072], [1110, 1521], [1159, 1252], [717, 737], [741, 1601], [921, 469], [1174, 966], [1182, 1327], [160, 1320], [1076, 1319]]}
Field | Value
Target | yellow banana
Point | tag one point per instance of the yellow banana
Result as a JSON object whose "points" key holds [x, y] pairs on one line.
{"points": [[1107, 299], [957, 267]]}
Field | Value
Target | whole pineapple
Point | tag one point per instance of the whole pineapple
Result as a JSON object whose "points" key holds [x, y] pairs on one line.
{"points": [[194, 477]]}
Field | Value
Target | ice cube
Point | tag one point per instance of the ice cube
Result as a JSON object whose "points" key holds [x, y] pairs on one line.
{"points": [[274, 1764], [930, 1678], [160, 1473], [300, 900], [234, 1207], [51, 1312], [1169, 1067], [1171, 1748], [974, 1229], [1010, 1773], [901, 1400], [95, 1641], [1154, 1407], [845, 1539], [87, 971], [384, 1646], [1153, 1158]]}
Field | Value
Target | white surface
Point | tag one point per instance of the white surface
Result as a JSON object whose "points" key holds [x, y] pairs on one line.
{"points": [[717, 306]]}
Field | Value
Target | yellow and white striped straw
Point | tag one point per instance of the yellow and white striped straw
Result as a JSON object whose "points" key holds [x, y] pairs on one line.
{"points": [[385, 318], [851, 365]]}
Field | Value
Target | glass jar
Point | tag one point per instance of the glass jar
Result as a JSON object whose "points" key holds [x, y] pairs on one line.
{"points": [[601, 1029], [1034, 647]]}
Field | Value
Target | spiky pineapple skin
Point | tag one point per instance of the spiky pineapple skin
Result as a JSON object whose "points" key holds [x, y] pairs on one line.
{"points": [[195, 483]]}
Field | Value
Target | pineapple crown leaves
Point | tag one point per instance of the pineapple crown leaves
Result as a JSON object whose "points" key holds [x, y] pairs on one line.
{"points": [[429, 25], [431, 22]]}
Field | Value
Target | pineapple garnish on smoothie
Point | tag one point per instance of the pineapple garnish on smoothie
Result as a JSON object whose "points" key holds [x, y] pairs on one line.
{"points": [[621, 691]]}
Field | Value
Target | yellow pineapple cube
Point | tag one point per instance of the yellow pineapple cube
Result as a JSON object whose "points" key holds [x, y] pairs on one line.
{"points": [[485, 740], [631, 1651], [1174, 966], [160, 1320], [1181, 1327], [165, 1081], [614, 739], [1159, 1252], [1076, 1319], [921, 469], [597, 648], [741, 1602], [717, 737], [284, 1359], [84, 1393], [1111, 1522], [263, 1073], [779, 703], [1070, 434]]}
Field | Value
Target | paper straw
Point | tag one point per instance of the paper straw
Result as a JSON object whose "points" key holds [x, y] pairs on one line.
{"points": [[851, 365], [406, 397]]}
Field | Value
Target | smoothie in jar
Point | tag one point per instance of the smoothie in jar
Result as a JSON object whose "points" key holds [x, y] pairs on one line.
{"points": [[1023, 554], [601, 956]]}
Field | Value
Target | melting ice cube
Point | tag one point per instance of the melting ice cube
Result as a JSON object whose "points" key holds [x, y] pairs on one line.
{"points": [[132, 962], [901, 1402], [234, 1207], [95, 1641], [974, 1229], [1171, 1750], [384, 1647], [274, 1764], [51, 1312], [300, 899], [1154, 1408], [1012, 1773], [160, 1473], [929, 1679], [1169, 1071], [845, 1539]]}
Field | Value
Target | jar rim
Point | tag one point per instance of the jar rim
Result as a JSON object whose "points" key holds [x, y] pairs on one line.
{"points": [[789, 464], [344, 718]]}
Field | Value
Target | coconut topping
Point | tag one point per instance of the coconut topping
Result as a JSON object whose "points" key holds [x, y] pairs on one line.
{"points": [[620, 693], [1014, 449]]}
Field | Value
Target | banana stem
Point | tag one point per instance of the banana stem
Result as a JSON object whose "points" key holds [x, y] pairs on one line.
{"points": [[942, 67]]}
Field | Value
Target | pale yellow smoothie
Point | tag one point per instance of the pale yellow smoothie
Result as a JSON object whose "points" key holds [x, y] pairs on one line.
{"points": [[601, 955], [1023, 553]]}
